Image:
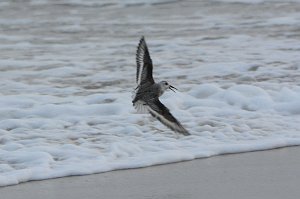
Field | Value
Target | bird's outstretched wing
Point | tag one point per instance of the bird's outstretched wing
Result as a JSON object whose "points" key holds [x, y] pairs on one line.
{"points": [[144, 64], [162, 113]]}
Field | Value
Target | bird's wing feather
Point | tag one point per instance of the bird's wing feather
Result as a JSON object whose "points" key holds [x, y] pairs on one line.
{"points": [[144, 64], [162, 113]]}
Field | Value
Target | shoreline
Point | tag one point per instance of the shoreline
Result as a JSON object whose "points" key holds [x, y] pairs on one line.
{"points": [[260, 174]]}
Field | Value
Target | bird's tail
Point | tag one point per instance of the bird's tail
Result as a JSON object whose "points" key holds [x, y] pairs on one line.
{"points": [[140, 106]]}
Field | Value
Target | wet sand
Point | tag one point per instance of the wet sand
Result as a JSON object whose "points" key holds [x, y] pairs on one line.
{"points": [[264, 174]]}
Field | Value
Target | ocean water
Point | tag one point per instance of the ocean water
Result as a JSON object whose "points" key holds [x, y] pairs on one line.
{"points": [[67, 71]]}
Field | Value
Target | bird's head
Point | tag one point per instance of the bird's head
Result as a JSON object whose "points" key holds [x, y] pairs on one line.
{"points": [[165, 85]]}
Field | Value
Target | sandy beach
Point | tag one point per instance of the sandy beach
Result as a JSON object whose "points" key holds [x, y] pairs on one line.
{"points": [[265, 174]]}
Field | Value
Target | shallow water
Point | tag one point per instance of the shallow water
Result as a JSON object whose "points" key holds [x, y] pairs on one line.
{"points": [[67, 71]]}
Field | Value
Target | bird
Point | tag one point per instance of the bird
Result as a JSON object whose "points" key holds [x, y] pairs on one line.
{"points": [[147, 92]]}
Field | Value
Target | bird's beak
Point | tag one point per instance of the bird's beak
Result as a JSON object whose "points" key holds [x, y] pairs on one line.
{"points": [[172, 88]]}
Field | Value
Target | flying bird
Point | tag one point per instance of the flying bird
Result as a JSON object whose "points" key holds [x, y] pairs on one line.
{"points": [[147, 92]]}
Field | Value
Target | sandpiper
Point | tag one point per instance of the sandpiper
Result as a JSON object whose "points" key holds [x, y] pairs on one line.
{"points": [[147, 92]]}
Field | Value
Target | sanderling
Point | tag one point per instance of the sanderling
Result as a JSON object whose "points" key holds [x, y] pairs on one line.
{"points": [[147, 92]]}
